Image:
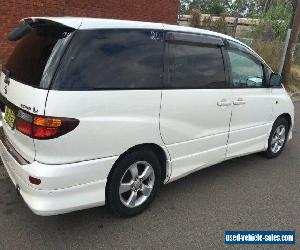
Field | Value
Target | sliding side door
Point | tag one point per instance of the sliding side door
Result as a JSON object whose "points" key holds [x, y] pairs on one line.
{"points": [[196, 103]]}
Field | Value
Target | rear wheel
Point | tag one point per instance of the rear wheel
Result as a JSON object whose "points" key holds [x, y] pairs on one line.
{"points": [[278, 138], [133, 183]]}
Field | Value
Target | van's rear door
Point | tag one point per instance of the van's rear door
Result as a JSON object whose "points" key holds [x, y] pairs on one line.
{"points": [[18, 95], [26, 76]]}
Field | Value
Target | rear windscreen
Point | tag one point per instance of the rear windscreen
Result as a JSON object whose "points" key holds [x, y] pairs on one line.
{"points": [[36, 55]]}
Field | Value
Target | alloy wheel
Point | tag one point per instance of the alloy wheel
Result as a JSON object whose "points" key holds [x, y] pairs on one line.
{"points": [[136, 184], [278, 139]]}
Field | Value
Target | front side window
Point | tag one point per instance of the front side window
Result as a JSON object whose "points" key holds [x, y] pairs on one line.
{"points": [[195, 66], [246, 71], [112, 59]]}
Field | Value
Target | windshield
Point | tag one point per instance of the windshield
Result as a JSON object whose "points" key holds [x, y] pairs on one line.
{"points": [[36, 55]]}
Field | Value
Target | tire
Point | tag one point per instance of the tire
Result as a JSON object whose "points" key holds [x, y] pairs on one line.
{"points": [[131, 169], [279, 124]]}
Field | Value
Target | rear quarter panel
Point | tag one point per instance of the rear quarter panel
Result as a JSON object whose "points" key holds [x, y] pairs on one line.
{"points": [[111, 122]]}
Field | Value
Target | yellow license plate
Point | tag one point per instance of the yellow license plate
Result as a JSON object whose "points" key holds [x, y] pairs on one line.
{"points": [[10, 117]]}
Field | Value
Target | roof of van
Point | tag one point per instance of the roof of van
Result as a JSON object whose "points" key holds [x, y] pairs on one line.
{"points": [[84, 23], [99, 23]]}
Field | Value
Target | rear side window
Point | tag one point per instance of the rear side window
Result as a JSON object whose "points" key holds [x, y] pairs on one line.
{"points": [[112, 59], [195, 66], [36, 54]]}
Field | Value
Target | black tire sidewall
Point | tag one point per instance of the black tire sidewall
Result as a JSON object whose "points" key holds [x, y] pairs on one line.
{"points": [[120, 167], [277, 123]]}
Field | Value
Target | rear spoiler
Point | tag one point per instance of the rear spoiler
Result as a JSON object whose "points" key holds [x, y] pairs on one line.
{"points": [[23, 29], [27, 25]]}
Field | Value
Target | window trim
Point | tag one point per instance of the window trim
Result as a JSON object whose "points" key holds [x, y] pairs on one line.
{"points": [[251, 55], [60, 61], [192, 38], [188, 42]]}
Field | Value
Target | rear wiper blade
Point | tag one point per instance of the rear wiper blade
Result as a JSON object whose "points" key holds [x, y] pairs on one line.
{"points": [[6, 71], [23, 29], [7, 76]]}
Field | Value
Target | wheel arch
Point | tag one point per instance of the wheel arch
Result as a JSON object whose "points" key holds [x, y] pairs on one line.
{"points": [[287, 117], [161, 153]]}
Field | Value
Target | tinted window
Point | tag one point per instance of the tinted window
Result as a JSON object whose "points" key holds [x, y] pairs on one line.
{"points": [[112, 59], [33, 60], [246, 70], [192, 66]]}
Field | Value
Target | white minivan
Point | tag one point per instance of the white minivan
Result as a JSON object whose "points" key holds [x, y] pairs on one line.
{"points": [[100, 111]]}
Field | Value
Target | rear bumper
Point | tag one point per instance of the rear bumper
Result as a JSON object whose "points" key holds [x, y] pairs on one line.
{"points": [[64, 188]]}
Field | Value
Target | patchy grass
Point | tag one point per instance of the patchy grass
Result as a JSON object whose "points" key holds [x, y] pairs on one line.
{"points": [[296, 66], [294, 80]]}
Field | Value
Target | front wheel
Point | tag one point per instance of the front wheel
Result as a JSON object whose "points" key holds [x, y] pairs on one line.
{"points": [[278, 138], [133, 183]]}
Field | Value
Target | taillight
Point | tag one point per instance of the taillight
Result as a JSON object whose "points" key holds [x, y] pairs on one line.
{"points": [[24, 123], [43, 127]]}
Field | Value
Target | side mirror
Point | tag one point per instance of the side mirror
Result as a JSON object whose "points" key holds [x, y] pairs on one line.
{"points": [[275, 80]]}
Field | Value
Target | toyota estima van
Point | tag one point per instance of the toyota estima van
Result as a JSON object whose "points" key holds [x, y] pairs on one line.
{"points": [[105, 111]]}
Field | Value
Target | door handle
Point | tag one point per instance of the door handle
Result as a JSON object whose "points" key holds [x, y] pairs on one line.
{"points": [[239, 101], [223, 103]]}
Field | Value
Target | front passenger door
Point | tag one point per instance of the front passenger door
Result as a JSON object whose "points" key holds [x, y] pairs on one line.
{"points": [[252, 110], [196, 103]]}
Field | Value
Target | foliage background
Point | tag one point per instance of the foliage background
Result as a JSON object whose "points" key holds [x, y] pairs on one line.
{"points": [[266, 37]]}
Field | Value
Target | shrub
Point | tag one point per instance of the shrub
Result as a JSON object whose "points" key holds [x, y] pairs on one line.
{"points": [[270, 51], [219, 25], [196, 18]]}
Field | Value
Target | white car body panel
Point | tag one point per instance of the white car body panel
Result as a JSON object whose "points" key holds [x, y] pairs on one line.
{"points": [[188, 124], [111, 122], [69, 187], [193, 136], [250, 122], [33, 98], [282, 104]]}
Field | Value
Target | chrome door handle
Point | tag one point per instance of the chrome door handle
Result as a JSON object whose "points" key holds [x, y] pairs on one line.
{"points": [[239, 101], [223, 103]]}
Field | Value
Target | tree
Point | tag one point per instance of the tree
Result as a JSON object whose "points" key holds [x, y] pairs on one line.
{"points": [[184, 7], [199, 4], [278, 18], [295, 25], [267, 4], [236, 8], [244, 8], [216, 8]]}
